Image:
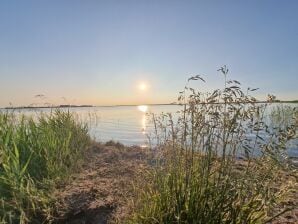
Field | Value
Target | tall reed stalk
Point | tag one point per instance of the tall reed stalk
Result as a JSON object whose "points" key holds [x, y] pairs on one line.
{"points": [[220, 162]]}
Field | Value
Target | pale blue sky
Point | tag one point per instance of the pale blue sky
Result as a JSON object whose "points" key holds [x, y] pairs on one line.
{"points": [[96, 52]]}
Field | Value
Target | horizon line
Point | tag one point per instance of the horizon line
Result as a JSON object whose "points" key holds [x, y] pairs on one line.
{"points": [[120, 105]]}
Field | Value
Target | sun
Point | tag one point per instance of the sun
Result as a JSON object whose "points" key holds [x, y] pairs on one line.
{"points": [[142, 86]]}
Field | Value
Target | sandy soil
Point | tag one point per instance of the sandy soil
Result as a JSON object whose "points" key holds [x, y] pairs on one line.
{"points": [[101, 192]]}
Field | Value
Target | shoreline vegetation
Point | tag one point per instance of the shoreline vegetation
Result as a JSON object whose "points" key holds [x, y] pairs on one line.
{"points": [[36, 154], [111, 181], [217, 163], [124, 105], [198, 177]]}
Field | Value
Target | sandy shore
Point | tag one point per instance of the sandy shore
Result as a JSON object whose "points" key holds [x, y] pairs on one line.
{"points": [[102, 191]]}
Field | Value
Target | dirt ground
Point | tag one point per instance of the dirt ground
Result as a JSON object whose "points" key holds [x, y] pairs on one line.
{"points": [[102, 191]]}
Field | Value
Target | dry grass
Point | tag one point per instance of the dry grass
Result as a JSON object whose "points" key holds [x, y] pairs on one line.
{"points": [[109, 183], [197, 179]]}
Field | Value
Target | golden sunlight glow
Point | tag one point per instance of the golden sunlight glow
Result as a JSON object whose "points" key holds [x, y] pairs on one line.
{"points": [[143, 86], [143, 108]]}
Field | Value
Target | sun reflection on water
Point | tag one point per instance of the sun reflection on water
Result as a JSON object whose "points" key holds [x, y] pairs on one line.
{"points": [[143, 108]]}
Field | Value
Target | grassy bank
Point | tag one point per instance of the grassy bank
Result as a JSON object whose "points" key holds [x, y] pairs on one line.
{"points": [[220, 161], [36, 154]]}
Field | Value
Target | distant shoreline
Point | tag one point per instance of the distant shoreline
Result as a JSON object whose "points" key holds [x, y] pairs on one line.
{"points": [[77, 106], [120, 105], [46, 107]]}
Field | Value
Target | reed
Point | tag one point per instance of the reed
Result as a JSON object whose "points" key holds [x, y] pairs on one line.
{"points": [[283, 115], [218, 162], [36, 153]]}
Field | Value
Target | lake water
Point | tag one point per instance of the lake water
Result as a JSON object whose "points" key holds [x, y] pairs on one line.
{"points": [[126, 124]]}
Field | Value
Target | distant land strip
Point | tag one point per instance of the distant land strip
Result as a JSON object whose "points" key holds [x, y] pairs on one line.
{"points": [[127, 105], [45, 107]]}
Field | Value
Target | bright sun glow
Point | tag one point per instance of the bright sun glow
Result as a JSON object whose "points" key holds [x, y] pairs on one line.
{"points": [[143, 108], [143, 86]]}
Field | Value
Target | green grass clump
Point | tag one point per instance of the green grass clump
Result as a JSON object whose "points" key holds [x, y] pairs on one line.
{"points": [[217, 162], [35, 154]]}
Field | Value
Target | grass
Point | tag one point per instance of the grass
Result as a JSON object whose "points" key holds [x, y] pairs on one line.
{"points": [[219, 162], [36, 154]]}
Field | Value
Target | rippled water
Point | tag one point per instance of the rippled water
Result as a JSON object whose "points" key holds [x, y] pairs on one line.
{"points": [[127, 124]]}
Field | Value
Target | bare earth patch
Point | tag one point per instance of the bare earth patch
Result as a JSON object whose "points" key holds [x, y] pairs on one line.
{"points": [[101, 191]]}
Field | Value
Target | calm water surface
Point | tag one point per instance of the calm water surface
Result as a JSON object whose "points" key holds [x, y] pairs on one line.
{"points": [[127, 124]]}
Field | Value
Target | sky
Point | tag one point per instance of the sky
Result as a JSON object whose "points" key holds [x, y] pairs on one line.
{"points": [[140, 52]]}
